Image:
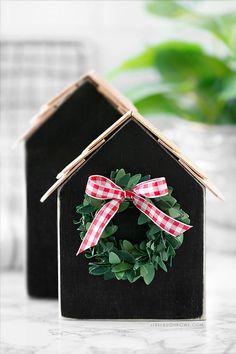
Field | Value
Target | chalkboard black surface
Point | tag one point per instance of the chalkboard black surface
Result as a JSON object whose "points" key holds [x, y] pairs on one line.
{"points": [[62, 137], [178, 294]]}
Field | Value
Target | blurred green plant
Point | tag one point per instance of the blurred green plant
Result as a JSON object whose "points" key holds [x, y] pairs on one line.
{"points": [[191, 83]]}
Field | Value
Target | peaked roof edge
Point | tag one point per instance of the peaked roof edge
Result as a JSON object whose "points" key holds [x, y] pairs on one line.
{"points": [[48, 109], [188, 165]]}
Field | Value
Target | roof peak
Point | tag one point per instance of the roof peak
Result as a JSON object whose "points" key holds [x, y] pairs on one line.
{"points": [[189, 166], [121, 103]]}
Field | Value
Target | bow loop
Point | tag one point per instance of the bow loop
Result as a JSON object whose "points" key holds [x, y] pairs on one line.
{"points": [[103, 188], [152, 188]]}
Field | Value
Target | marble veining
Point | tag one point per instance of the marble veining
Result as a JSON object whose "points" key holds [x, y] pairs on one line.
{"points": [[33, 326]]}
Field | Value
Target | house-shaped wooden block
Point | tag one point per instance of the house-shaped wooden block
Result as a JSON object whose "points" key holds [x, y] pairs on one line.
{"points": [[61, 130], [133, 144]]}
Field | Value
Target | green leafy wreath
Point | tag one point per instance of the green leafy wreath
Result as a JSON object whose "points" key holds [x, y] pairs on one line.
{"points": [[120, 259]]}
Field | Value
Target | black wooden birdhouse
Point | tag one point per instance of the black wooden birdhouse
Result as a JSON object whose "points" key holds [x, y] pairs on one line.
{"points": [[135, 266], [62, 129]]}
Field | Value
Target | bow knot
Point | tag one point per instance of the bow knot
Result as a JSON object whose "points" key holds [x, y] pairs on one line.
{"points": [[103, 188], [129, 194]]}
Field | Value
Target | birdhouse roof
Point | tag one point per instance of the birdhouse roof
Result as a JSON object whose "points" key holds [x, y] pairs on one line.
{"points": [[121, 103], [188, 165]]}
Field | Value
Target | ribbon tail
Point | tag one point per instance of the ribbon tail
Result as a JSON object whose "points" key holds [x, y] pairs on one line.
{"points": [[102, 218], [162, 220]]}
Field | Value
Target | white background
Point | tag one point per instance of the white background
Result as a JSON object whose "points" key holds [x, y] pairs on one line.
{"points": [[118, 29]]}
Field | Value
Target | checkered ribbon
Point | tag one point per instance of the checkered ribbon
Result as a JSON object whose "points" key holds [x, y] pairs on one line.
{"points": [[103, 188]]}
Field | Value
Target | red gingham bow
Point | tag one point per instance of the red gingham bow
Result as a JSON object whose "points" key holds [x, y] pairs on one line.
{"points": [[103, 188]]}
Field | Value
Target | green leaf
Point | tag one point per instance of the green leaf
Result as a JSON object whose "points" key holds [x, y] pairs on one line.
{"points": [[180, 240], [113, 258], [123, 206], [113, 174], [174, 213], [169, 199], [131, 276], [109, 230], [222, 26], [88, 255], [75, 222], [137, 253], [143, 270], [121, 267], [86, 200], [85, 209], [185, 219], [81, 228], [119, 275], [149, 276], [96, 203], [142, 245], [154, 229], [171, 251], [164, 256], [149, 243], [178, 60], [134, 180], [177, 206], [150, 236], [145, 178], [229, 89], [127, 246], [152, 246], [82, 234], [173, 241], [168, 8], [126, 256], [162, 204], [149, 89], [156, 103], [143, 219], [120, 174], [123, 181], [187, 52], [87, 225], [162, 264], [141, 61], [161, 247], [98, 270], [138, 265], [109, 246]]}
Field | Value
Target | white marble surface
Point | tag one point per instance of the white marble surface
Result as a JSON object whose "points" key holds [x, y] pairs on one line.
{"points": [[32, 326]]}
